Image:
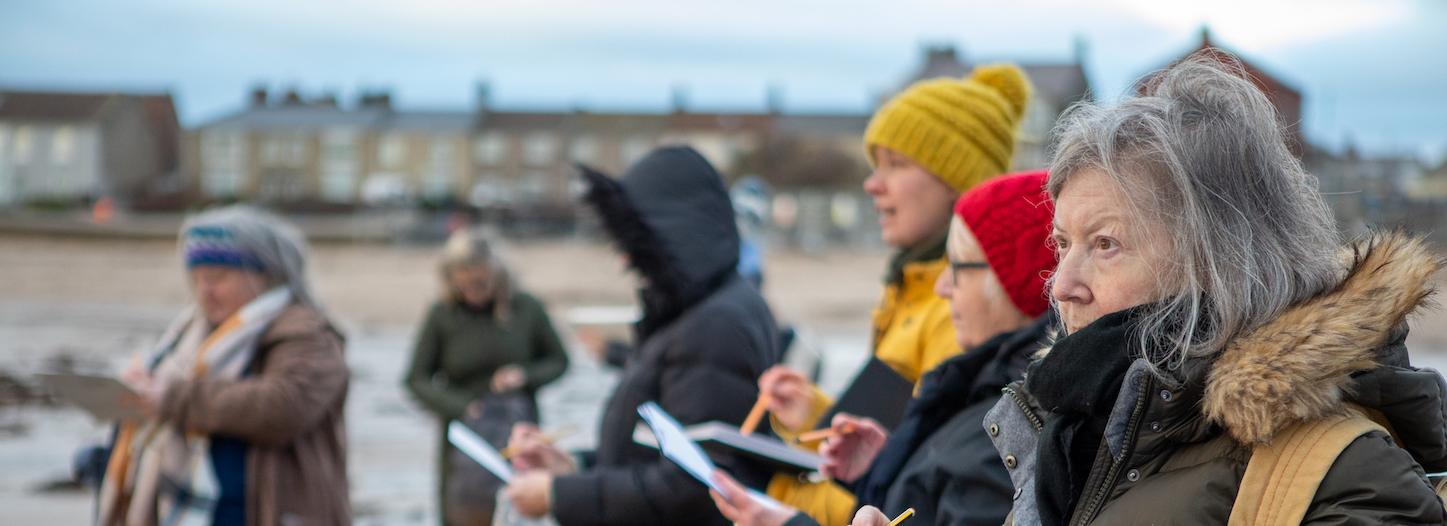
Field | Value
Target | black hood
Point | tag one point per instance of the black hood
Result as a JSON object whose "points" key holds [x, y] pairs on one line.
{"points": [[671, 215]]}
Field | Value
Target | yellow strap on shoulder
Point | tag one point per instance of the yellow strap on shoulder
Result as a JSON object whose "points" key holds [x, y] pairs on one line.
{"points": [[1282, 477]]}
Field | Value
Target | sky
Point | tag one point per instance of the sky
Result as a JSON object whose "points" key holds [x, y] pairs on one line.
{"points": [[1373, 72]]}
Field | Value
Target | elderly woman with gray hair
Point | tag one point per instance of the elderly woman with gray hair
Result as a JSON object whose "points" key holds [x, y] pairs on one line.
{"points": [[483, 339], [1225, 358], [245, 392]]}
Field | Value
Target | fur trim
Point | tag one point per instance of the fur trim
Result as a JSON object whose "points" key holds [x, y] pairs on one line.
{"points": [[645, 250], [1297, 367]]}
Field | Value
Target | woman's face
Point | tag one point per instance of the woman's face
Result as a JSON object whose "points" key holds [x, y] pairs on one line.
{"points": [[472, 283], [222, 291], [1108, 261], [979, 306], [912, 203]]}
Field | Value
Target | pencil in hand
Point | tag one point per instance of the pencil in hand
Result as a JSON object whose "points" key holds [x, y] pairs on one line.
{"points": [[821, 434], [549, 437], [756, 414], [907, 514]]}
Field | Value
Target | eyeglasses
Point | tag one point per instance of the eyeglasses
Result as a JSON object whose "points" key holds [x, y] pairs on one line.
{"points": [[957, 266]]}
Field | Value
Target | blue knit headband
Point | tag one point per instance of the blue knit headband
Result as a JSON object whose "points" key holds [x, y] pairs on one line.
{"points": [[216, 246]]}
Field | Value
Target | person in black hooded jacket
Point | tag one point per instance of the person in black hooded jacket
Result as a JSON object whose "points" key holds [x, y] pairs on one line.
{"points": [[705, 337]]}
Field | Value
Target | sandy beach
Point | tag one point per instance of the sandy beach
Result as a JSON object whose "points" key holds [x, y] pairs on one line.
{"points": [[88, 304]]}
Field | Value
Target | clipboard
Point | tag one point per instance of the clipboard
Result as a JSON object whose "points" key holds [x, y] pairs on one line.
{"points": [[724, 438], [675, 445], [877, 392], [106, 398]]}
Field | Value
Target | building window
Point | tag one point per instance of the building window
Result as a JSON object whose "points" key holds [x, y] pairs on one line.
{"points": [[338, 185], [583, 150], [23, 145], [62, 146], [280, 184], [490, 148], [221, 182], [284, 150], [441, 165], [223, 159], [534, 186], [220, 147], [339, 146], [634, 148], [490, 190], [393, 151], [384, 189], [339, 166], [844, 210], [540, 148]]}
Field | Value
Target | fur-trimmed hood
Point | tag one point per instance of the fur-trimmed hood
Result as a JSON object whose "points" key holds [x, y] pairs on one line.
{"points": [[672, 216], [1344, 345]]}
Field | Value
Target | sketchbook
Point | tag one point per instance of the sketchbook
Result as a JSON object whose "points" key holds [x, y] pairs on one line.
{"points": [[106, 398]]}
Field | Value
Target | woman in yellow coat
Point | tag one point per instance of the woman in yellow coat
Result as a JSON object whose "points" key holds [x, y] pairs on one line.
{"points": [[933, 141]]}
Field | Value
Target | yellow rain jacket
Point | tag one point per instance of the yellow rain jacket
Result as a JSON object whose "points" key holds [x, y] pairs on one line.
{"points": [[912, 334]]}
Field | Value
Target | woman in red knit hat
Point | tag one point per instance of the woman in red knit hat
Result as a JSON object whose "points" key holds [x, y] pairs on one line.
{"points": [[940, 460]]}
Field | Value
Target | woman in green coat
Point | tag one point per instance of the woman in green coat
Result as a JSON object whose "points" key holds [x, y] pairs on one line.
{"points": [[484, 338]]}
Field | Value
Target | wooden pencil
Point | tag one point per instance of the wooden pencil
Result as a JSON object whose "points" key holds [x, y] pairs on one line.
{"points": [[755, 415]]}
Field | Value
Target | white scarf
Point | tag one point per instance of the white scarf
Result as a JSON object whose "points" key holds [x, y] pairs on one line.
{"points": [[164, 476]]}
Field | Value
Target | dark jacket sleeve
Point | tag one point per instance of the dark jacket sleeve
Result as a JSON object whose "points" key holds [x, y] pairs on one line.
{"points": [[303, 376], [1375, 482], [443, 400], [615, 353], [706, 375], [976, 498], [549, 357]]}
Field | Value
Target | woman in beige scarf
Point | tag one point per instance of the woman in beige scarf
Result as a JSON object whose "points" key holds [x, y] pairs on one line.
{"points": [[244, 392]]}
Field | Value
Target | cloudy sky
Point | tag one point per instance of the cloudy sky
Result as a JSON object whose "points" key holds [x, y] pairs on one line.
{"points": [[1373, 71]]}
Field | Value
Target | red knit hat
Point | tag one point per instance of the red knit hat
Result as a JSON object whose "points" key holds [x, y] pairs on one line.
{"points": [[1010, 216]]}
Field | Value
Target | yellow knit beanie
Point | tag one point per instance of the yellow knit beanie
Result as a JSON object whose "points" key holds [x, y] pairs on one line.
{"points": [[961, 130]]}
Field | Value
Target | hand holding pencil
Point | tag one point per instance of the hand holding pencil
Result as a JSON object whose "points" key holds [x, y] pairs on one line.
{"points": [[530, 449], [851, 447], [790, 396], [872, 516]]}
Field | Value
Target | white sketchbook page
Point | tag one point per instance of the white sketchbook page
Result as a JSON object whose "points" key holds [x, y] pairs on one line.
{"points": [[107, 399], [676, 446], [477, 448]]}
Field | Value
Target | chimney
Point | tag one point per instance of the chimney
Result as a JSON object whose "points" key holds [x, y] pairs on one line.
{"points": [[327, 100], [680, 98], [774, 99], [381, 99], [483, 94], [257, 98], [940, 54], [292, 98]]}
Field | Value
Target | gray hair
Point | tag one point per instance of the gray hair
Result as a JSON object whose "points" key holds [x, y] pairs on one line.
{"points": [[279, 246], [473, 247], [1203, 161]]}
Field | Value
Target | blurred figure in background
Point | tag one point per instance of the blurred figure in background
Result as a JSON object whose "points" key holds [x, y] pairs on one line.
{"points": [[705, 337], [936, 139], [246, 392], [480, 357], [750, 196]]}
